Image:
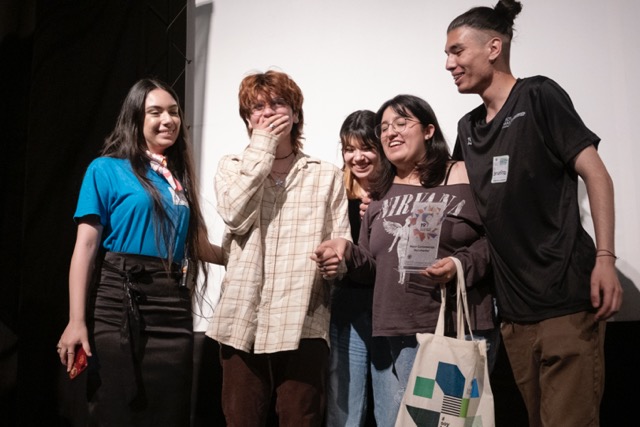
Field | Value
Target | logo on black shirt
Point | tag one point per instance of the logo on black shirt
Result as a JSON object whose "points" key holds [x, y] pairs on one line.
{"points": [[507, 122]]}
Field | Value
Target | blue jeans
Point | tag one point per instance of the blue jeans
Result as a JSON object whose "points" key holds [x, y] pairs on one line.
{"points": [[349, 362], [392, 359]]}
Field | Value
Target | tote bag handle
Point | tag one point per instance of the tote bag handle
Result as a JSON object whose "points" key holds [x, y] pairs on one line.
{"points": [[462, 309]]}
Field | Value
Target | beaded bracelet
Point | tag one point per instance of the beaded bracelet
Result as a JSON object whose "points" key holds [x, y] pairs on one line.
{"points": [[608, 253]]}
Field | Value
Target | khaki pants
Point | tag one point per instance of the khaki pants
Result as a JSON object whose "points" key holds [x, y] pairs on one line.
{"points": [[558, 365]]}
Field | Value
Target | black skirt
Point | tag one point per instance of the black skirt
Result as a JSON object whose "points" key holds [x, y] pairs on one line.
{"points": [[142, 342]]}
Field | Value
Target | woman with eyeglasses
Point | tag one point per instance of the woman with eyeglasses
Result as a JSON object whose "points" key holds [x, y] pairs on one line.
{"points": [[416, 170]]}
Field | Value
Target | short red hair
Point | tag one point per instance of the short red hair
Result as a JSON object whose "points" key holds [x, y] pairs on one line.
{"points": [[268, 85]]}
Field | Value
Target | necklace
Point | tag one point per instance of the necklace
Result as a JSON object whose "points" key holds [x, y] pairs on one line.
{"points": [[287, 156], [279, 180], [413, 178], [280, 176]]}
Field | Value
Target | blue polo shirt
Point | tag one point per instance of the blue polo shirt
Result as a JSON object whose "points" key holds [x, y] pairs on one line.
{"points": [[111, 191]]}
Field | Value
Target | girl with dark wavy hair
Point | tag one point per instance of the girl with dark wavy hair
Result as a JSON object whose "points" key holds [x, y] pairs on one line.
{"points": [[415, 172]]}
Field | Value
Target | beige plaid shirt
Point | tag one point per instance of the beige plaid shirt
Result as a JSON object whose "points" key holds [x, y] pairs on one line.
{"points": [[272, 294]]}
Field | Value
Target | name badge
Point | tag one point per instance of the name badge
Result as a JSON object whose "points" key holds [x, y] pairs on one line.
{"points": [[500, 169]]}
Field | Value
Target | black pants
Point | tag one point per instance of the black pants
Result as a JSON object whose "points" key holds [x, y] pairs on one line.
{"points": [[142, 340]]}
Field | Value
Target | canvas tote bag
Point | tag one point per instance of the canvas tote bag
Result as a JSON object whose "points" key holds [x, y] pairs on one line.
{"points": [[449, 381]]}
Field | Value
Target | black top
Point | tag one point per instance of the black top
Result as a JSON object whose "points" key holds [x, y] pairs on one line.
{"points": [[354, 219], [521, 170], [365, 280]]}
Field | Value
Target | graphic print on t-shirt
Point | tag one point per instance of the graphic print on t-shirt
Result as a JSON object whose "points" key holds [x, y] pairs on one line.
{"points": [[416, 231]]}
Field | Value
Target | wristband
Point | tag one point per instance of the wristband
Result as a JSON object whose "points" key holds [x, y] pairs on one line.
{"points": [[607, 252]]}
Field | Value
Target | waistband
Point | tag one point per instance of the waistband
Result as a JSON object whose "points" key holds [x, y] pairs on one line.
{"points": [[125, 262]]}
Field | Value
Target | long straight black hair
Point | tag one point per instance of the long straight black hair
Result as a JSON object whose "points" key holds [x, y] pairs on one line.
{"points": [[127, 141]]}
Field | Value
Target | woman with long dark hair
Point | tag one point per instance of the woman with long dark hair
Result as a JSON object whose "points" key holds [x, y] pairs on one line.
{"points": [[139, 223], [415, 172]]}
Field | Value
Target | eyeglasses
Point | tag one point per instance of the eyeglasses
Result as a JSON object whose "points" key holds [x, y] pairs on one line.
{"points": [[275, 104], [399, 125]]}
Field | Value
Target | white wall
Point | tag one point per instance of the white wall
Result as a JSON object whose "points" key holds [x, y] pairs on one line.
{"points": [[355, 54]]}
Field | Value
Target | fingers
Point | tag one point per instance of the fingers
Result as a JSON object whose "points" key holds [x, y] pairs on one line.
{"points": [[330, 252], [608, 301], [328, 256], [606, 291], [325, 265], [326, 251], [70, 357], [442, 271], [87, 349], [439, 278], [66, 354], [364, 205], [609, 304], [328, 271], [605, 311], [595, 300], [275, 124]]}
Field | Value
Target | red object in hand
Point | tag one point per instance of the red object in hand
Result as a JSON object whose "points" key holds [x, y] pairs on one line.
{"points": [[80, 363]]}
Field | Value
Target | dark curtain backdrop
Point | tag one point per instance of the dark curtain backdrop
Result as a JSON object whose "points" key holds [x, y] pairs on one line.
{"points": [[16, 40], [62, 86]]}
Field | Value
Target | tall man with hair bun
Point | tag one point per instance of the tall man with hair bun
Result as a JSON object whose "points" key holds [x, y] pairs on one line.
{"points": [[525, 148]]}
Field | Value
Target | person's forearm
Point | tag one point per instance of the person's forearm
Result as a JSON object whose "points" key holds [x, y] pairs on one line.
{"points": [[211, 253], [601, 201]]}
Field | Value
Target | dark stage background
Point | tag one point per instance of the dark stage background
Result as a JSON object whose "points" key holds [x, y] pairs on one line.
{"points": [[65, 67]]}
